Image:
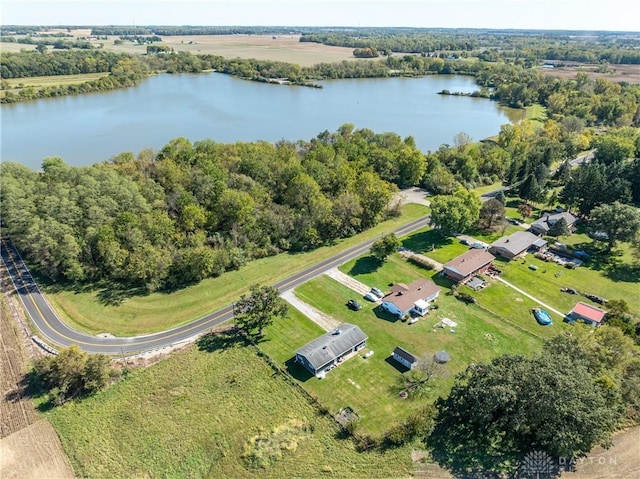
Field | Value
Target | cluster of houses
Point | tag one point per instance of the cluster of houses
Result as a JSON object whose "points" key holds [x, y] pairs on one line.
{"points": [[324, 353]]}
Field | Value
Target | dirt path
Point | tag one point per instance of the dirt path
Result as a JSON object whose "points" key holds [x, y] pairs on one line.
{"points": [[348, 281], [323, 320], [412, 195]]}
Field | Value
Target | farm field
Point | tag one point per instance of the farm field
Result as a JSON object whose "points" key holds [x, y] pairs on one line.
{"points": [[616, 73], [282, 48], [29, 446], [85, 311], [371, 386], [55, 80], [198, 414]]}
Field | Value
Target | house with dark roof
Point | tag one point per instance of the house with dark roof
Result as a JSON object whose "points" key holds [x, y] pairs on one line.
{"points": [[516, 245], [467, 265], [405, 358], [542, 225], [587, 313], [413, 298], [324, 353]]}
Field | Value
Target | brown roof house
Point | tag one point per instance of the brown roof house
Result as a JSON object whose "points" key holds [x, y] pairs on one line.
{"points": [[413, 298], [515, 245], [587, 313], [467, 265]]}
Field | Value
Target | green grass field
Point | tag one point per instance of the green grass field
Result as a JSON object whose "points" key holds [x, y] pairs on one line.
{"points": [[370, 386], [56, 80], [195, 415], [85, 311]]}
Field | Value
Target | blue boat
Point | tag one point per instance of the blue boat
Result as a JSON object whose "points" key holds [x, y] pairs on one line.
{"points": [[542, 316]]}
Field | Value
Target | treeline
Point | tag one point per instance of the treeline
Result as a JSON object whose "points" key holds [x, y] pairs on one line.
{"points": [[33, 63], [528, 48], [53, 40], [194, 210]]}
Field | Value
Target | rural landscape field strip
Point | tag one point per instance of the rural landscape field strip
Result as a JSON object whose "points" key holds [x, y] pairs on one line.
{"points": [[56, 331], [16, 409]]}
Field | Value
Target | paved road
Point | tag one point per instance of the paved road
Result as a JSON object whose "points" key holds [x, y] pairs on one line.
{"points": [[56, 332]]}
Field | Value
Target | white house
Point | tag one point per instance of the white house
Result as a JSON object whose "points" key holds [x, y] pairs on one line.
{"points": [[413, 298]]}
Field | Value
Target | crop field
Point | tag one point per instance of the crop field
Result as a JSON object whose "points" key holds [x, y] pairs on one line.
{"points": [[29, 446], [283, 48], [85, 311], [219, 412], [56, 80], [615, 73], [16, 409]]}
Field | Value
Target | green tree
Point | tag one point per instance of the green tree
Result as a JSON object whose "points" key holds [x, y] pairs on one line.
{"points": [[491, 214], [455, 213], [620, 222], [385, 246], [530, 189], [614, 148], [254, 312], [498, 412], [559, 228], [71, 373]]}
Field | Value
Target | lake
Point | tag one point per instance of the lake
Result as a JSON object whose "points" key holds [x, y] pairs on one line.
{"points": [[86, 129]]}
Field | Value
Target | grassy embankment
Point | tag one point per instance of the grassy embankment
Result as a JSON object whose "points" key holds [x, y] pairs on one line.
{"points": [[195, 415], [86, 311]]}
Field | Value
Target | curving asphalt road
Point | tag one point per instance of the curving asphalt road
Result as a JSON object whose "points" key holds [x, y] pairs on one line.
{"points": [[54, 331]]}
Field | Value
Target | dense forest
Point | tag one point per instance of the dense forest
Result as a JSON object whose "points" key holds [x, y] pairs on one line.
{"points": [[191, 211], [164, 219]]}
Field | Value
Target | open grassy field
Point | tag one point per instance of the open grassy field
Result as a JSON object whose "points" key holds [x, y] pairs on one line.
{"points": [[370, 386], [6, 47], [615, 74], [283, 48], [56, 80], [86, 311], [198, 413]]}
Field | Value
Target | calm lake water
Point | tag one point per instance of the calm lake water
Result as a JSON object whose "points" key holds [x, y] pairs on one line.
{"points": [[91, 128]]}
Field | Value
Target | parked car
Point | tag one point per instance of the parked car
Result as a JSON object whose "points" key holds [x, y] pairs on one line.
{"points": [[353, 305], [377, 292], [568, 290], [370, 297]]}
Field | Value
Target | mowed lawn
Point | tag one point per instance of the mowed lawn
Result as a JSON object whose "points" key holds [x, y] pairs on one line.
{"points": [[371, 386], [86, 310], [194, 414]]}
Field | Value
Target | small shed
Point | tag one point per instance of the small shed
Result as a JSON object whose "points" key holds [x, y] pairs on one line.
{"points": [[405, 358], [587, 313]]}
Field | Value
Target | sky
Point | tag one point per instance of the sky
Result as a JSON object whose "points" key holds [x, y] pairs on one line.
{"points": [[613, 15]]}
